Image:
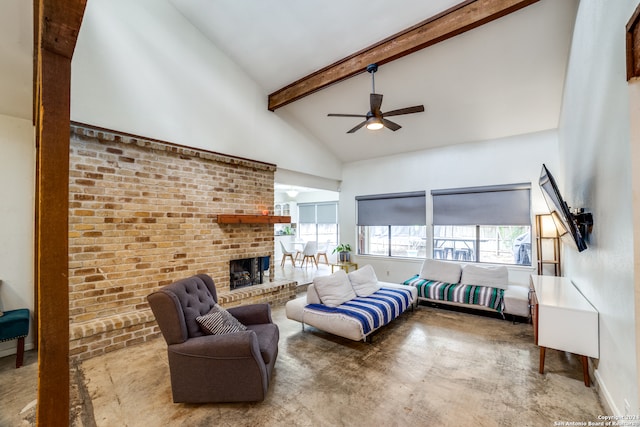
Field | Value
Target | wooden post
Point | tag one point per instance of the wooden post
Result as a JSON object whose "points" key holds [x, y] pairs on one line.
{"points": [[52, 236], [56, 27]]}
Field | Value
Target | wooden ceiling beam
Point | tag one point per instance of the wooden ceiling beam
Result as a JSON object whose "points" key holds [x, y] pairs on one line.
{"points": [[59, 22], [55, 29], [463, 17]]}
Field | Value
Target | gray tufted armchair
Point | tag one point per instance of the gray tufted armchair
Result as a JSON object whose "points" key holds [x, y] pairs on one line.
{"points": [[233, 367]]}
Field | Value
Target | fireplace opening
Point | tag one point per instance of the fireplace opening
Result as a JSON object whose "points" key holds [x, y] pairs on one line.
{"points": [[247, 271]]}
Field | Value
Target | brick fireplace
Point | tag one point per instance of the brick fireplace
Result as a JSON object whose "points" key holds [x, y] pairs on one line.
{"points": [[143, 214], [248, 271]]}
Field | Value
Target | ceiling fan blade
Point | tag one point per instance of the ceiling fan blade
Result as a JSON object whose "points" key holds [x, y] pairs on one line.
{"points": [[408, 110], [390, 125], [357, 127], [346, 115], [375, 99]]}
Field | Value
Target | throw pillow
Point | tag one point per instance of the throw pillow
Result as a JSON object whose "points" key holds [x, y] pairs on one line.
{"points": [[494, 277], [219, 321], [335, 289], [440, 271], [364, 281]]}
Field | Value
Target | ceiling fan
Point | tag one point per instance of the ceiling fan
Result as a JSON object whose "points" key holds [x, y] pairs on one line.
{"points": [[375, 119]]}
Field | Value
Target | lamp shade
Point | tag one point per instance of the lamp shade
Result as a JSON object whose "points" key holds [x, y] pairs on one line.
{"points": [[551, 225], [374, 123]]}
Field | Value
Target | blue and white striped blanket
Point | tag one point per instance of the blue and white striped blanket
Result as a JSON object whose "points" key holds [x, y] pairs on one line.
{"points": [[373, 311]]}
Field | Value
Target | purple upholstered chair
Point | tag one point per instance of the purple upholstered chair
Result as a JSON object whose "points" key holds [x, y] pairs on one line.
{"points": [[234, 367]]}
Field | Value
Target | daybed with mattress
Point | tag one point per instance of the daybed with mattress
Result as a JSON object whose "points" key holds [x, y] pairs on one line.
{"points": [[352, 305], [473, 286]]}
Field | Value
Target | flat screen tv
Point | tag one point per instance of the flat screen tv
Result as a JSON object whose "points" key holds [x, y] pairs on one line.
{"points": [[571, 227]]}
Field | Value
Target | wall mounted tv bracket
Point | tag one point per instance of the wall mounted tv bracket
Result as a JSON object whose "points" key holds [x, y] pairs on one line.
{"points": [[584, 221]]}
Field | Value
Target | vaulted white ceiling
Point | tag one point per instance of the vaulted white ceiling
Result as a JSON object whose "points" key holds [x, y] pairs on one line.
{"points": [[502, 79]]}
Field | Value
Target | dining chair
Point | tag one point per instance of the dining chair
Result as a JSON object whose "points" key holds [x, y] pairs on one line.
{"points": [[286, 254], [322, 252], [309, 253]]}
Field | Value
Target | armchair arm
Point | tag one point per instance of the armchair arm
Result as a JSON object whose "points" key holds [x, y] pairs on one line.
{"points": [[252, 314], [236, 345]]}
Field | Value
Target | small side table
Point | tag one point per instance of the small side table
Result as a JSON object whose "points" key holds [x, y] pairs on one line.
{"points": [[346, 266]]}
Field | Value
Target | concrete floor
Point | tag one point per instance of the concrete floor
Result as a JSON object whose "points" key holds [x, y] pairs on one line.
{"points": [[302, 275], [429, 367]]}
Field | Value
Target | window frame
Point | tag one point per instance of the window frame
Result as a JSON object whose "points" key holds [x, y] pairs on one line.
{"points": [[316, 222], [467, 209], [390, 210]]}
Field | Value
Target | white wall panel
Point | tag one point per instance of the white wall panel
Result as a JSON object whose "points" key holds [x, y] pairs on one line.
{"points": [[140, 67], [505, 161], [595, 173], [17, 181]]}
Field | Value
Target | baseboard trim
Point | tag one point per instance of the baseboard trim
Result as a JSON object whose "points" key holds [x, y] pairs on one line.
{"points": [[14, 349], [607, 401]]}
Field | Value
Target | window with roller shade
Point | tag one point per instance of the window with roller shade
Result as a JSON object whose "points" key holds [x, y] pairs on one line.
{"points": [[490, 224], [392, 225], [318, 222]]}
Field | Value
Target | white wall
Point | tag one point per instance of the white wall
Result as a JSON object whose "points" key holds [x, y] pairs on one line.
{"points": [[317, 196], [634, 110], [504, 161], [17, 172], [140, 67], [596, 174]]}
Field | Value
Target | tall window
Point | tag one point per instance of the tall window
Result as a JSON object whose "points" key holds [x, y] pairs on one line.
{"points": [[318, 222], [392, 225], [483, 224]]}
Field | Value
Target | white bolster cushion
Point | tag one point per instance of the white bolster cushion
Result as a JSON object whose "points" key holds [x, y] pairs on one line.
{"points": [[440, 271], [494, 277], [364, 281], [335, 289]]}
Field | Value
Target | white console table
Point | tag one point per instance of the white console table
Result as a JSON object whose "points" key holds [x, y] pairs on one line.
{"points": [[563, 319]]}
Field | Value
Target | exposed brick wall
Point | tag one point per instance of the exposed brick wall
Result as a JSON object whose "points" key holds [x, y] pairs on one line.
{"points": [[141, 216]]}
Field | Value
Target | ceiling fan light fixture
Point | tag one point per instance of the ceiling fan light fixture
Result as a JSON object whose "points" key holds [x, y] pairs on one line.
{"points": [[376, 119], [374, 123]]}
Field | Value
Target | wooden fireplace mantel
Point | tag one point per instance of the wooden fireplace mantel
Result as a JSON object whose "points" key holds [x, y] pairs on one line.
{"points": [[252, 219]]}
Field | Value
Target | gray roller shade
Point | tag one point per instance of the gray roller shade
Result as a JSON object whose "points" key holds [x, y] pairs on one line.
{"points": [[392, 209], [490, 205], [327, 213], [318, 213], [307, 214]]}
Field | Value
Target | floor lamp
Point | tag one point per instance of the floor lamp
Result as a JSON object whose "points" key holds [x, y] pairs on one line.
{"points": [[548, 232]]}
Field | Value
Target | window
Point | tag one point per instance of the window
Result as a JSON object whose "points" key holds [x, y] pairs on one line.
{"points": [[318, 222], [483, 224], [392, 225]]}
